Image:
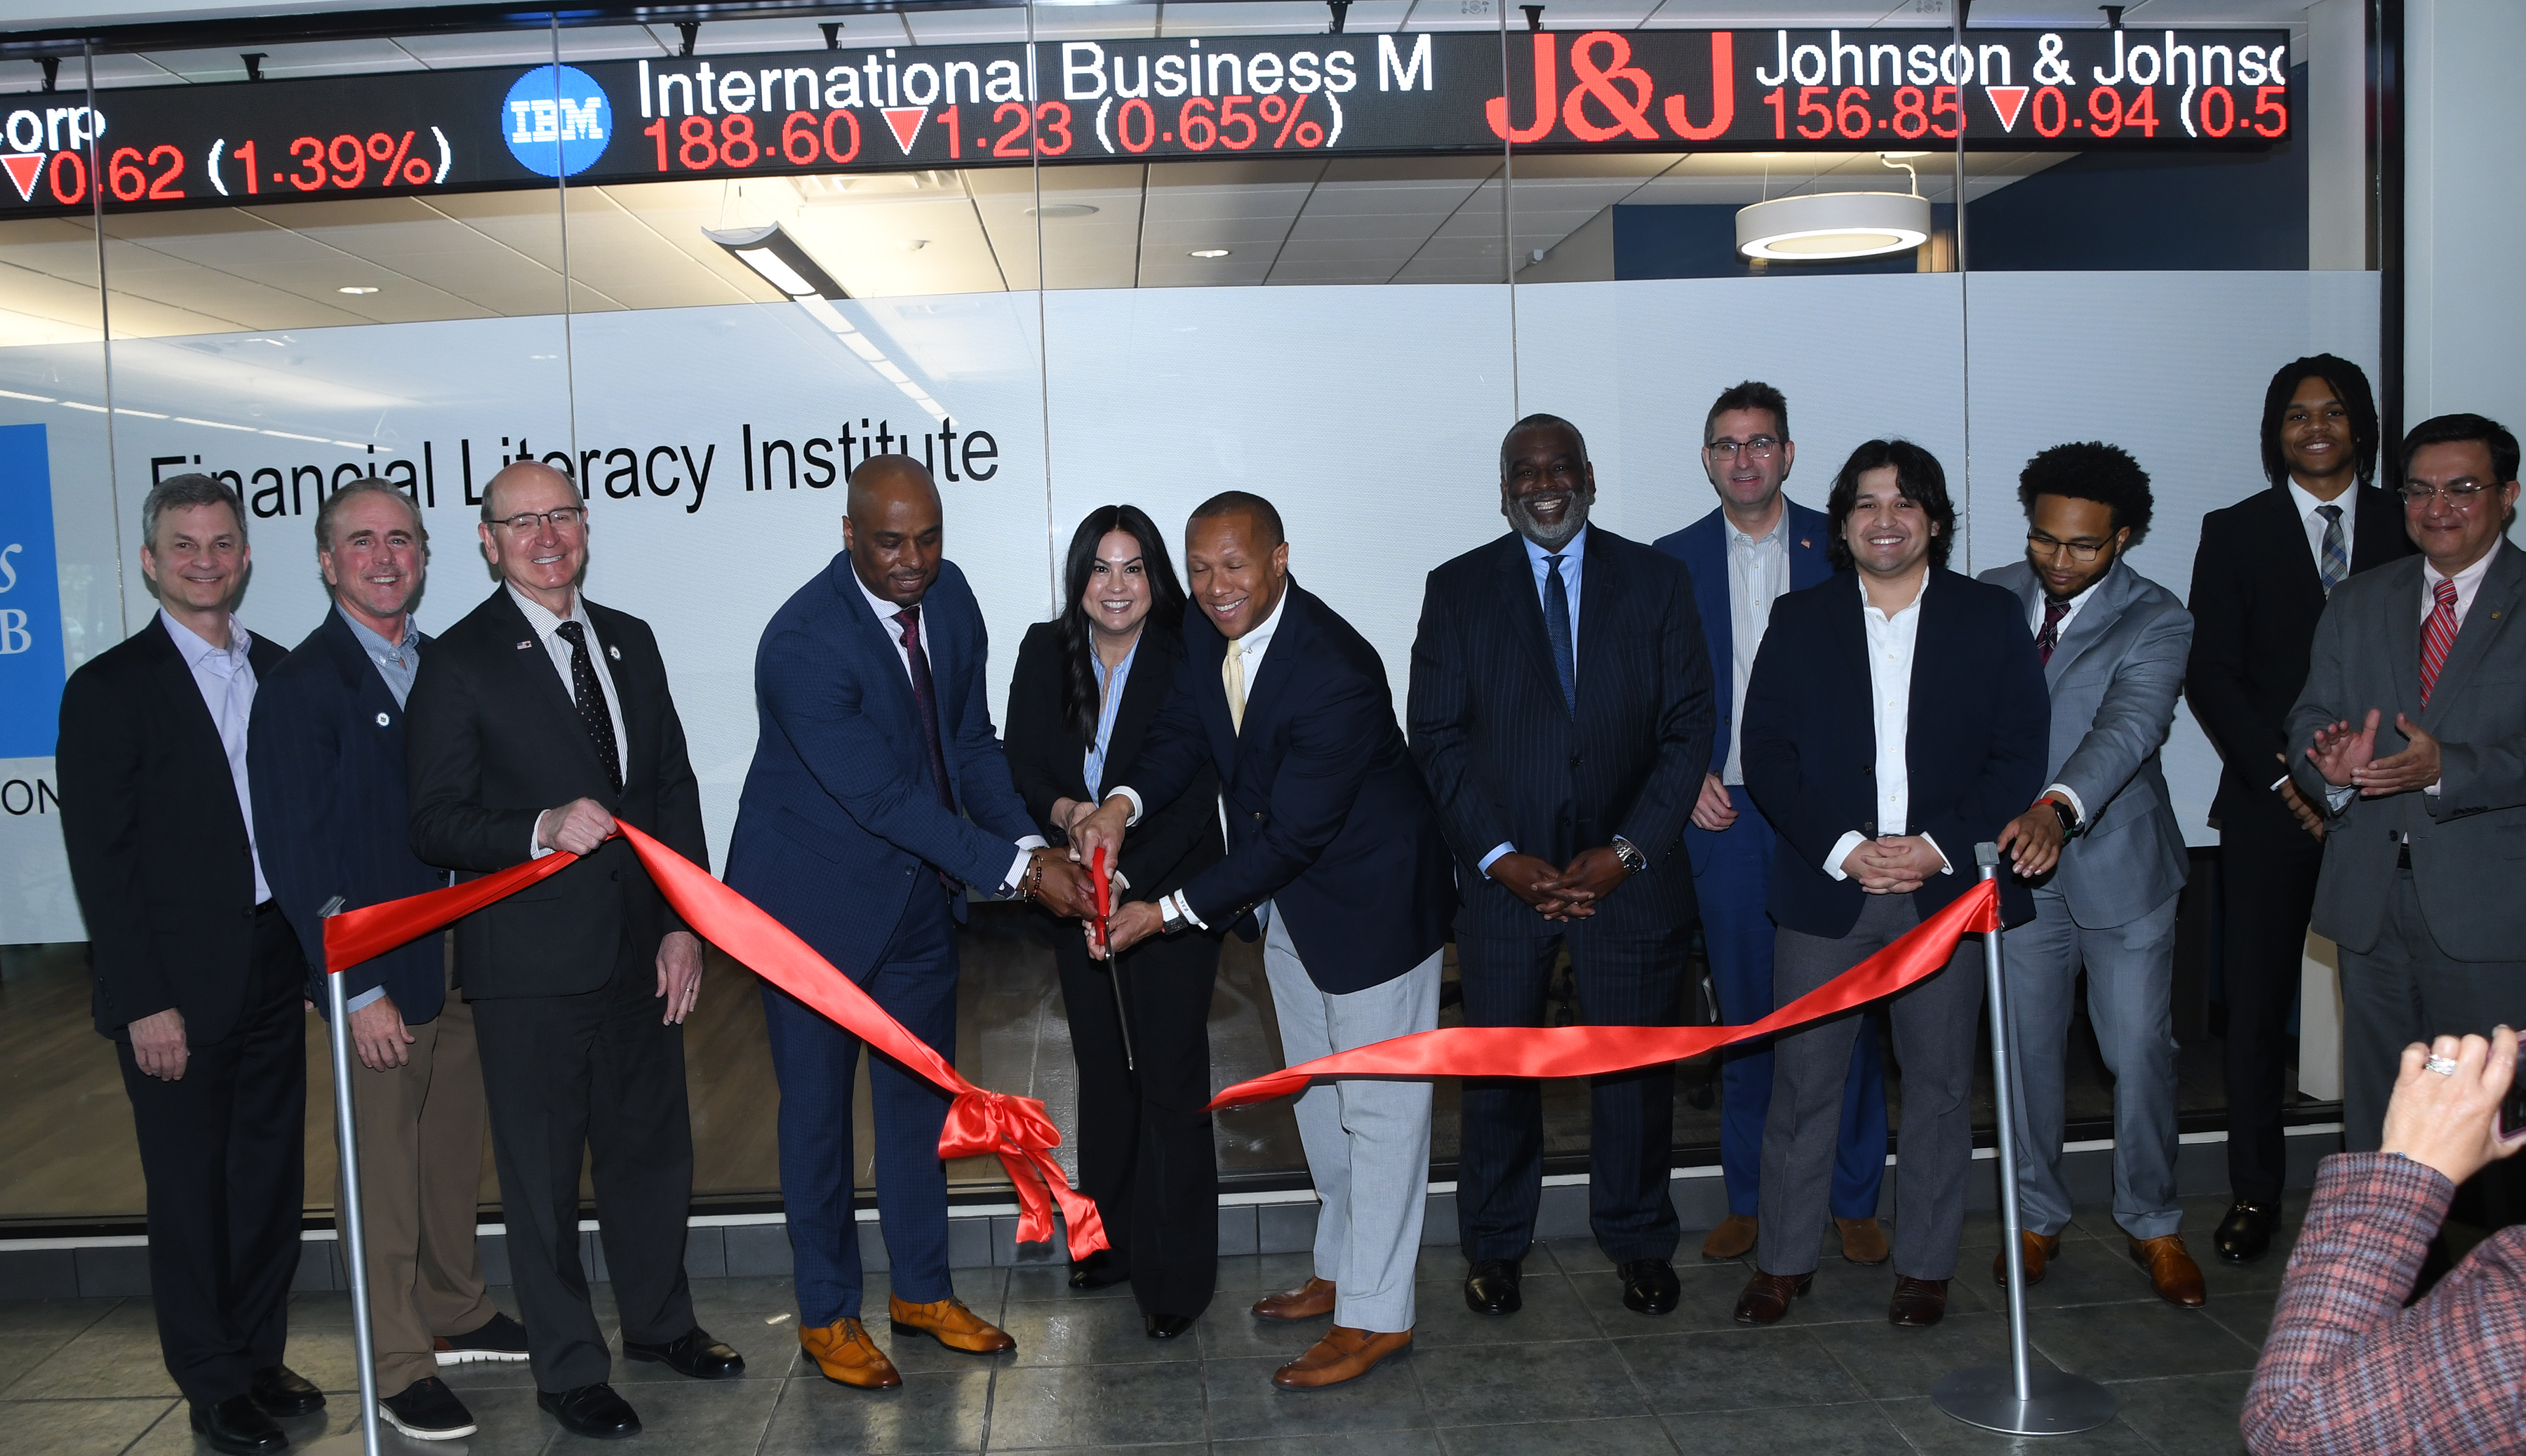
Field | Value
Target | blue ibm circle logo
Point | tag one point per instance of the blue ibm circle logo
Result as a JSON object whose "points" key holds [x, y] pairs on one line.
{"points": [[557, 121]]}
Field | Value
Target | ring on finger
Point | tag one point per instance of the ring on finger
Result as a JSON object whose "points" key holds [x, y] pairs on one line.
{"points": [[2443, 1066]]}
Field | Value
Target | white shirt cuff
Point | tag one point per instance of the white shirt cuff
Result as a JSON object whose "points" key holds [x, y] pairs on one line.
{"points": [[368, 998], [1945, 868], [2433, 789], [1018, 867], [2336, 797], [1503, 847], [2078, 806], [535, 847], [1184, 907], [1840, 851], [1132, 794]]}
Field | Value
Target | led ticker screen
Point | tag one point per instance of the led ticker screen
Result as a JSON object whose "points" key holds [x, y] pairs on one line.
{"points": [[906, 107]]}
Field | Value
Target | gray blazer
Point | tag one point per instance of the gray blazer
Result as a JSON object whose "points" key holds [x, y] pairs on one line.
{"points": [[2114, 679], [2469, 838]]}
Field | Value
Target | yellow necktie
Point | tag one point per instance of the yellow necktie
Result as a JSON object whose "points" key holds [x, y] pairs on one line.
{"points": [[1232, 674]]}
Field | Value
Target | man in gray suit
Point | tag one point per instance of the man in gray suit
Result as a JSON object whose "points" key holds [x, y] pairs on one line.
{"points": [[2104, 847], [2426, 814]]}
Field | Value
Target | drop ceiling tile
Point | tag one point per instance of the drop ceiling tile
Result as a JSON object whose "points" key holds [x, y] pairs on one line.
{"points": [[285, 61]]}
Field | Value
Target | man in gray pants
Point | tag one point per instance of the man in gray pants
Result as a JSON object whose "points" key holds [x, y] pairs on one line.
{"points": [[2112, 643]]}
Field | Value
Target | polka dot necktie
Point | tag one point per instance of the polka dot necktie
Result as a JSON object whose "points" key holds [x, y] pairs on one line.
{"points": [[590, 698]]}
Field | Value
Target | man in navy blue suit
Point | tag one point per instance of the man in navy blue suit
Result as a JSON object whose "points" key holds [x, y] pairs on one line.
{"points": [[335, 811], [1333, 847], [1560, 710], [1895, 719], [1744, 556], [876, 795]]}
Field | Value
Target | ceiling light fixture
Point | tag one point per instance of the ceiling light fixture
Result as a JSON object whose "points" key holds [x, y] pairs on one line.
{"points": [[776, 257], [355, 290], [1209, 253], [1061, 210], [1825, 225]]}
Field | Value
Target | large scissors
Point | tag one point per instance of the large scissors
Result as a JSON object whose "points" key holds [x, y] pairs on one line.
{"points": [[1113, 969]]}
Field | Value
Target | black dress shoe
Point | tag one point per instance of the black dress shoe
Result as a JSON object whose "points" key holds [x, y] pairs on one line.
{"points": [[1917, 1304], [1165, 1326], [592, 1410], [284, 1392], [696, 1354], [2246, 1234], [1098, 1270], [1491, 1288], [239, 1427], [1650, 1286]]}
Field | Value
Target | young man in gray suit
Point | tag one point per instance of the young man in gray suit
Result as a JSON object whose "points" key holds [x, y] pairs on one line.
{"points": [[2411, 732], [2103, 849]]}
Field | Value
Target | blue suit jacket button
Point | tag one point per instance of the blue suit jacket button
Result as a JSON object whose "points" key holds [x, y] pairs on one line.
{"points": [[383, 720]]}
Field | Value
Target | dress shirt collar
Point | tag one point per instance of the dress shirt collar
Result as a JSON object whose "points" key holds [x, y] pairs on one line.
{"points": [[541, 618], [375, 642], [197, 652], [1573, 554], [1742, 541], [884, 609], [1871, 607], [2467, 581], [1258, 641], [2069, 609], [2306, 503]]}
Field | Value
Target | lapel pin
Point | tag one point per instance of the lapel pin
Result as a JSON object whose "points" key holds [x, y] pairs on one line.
{"points": [[383, 720], [523, 646], [615, 653], [1803, 542]]}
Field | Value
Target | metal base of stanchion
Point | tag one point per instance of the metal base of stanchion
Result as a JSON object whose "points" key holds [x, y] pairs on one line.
{"points": [[351, 1443], [2060, 1404]]}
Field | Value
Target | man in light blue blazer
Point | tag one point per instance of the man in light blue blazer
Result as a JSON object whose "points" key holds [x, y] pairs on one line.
{"points": [[2103, 850], [1744, 556]]}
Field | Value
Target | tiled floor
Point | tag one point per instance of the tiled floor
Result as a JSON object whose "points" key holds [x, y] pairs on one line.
{"points": [[1574, 1374]]}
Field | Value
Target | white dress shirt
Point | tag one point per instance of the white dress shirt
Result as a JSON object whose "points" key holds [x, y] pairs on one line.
{"points": [[2060, 629], [885, 611], [2467, 583], [547, 629], [225, 676], [1759, 573], [1891, 641], [2306, 502]]}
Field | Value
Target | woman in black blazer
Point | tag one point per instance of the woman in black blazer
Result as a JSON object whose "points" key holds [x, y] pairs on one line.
{"points": [[1087, 684]]}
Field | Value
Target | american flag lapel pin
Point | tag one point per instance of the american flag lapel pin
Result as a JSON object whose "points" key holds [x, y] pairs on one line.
{"points": [[1803, 542], [525, 645]]}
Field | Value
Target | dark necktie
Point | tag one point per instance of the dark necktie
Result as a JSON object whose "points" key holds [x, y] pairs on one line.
{"points": [[590, 698], [925, 697], [1556, 627], [2051, 637]]}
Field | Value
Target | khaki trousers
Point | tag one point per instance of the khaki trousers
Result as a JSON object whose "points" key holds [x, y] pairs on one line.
{"points": [[421, 1129]]}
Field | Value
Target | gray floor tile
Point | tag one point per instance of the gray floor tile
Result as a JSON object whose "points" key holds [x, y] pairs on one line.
{"points": [[1090, 1332], [173, 1435], [2188, 1414], [1707, 1299], [1242, 1398], [1821, 1431], [929, 1412], [82, 1428], [29, 1318], [695, 1416], [1096, 1405], [2248, 1317], [1039, 1282], [1892, 1364], [1582, 1256], [1495, 1384], [115, 1356], [1366, 1443], [1735, 1370], [1628, 1435], [1932, 1429], [1242, 1276], [2266, 1272], [1229, 1331], [2136, 1342], [1550, 1311], [2090, 1271], [20, 1354]]}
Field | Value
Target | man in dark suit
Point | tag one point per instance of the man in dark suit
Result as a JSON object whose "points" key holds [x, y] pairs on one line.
{"points": [[1758, 547], [533, 721], [334, 813], [877, 792], [2266, 568], [1560, 711], [198, 978], [1334, 846], [1896, 719], [2426, 809]]}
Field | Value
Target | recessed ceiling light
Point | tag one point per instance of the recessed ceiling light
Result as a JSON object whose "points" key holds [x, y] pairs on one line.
{"points": [[355, 290], [1061, 210], [1209, 253]]}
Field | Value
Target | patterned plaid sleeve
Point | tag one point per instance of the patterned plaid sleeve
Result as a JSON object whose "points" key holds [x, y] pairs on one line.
{"points": [[2349, 1369]]}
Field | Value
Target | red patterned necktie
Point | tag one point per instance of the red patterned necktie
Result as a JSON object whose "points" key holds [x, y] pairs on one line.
{"points": [[2051, 637], [2436, 637]]}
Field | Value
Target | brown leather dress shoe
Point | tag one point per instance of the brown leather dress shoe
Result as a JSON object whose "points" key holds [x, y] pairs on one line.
{"points": [[2171, 1271], [1731, 1238], [848, 1357], [1766, 1297], [1313, 1301], [1918, 1304], [1343, 1354], [1863, 1240], [2041, 1249], [950, 1324]]}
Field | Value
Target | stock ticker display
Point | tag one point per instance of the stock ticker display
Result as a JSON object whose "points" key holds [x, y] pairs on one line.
{"points": [[1015, 104]]}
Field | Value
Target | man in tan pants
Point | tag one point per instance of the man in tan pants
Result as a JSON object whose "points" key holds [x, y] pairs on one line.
{"points": [[331, 817]]}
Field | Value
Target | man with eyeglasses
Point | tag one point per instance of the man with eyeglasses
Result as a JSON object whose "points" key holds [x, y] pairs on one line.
{"points": [[1744, 556], [2103, 851], [532, 724], [2411, 734]]}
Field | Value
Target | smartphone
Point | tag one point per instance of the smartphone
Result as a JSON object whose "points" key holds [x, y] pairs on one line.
{"points": [[2512, 1112]]}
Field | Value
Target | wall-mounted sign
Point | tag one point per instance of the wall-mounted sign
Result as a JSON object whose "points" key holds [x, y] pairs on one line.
{"points": [[907, 107]]}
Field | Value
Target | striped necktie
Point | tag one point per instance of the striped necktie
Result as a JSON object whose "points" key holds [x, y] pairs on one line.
{"points": [[2438, 639], [2334, 563]]}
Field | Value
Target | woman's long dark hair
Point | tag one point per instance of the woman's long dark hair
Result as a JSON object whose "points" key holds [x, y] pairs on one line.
{"points": [[1078, 696]]}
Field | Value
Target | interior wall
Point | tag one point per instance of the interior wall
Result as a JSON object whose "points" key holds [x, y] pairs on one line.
{"points": [[2464, 209]]}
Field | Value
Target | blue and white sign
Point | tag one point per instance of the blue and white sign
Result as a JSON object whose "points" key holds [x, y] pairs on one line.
{"points": [[557, 121], [31, 597]]}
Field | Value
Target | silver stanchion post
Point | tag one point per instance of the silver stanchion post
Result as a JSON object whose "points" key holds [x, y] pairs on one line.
{"points": [[2020, 1398], [349, 1222]]}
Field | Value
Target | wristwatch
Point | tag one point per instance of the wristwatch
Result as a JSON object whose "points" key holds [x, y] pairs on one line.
{"points": [[2069, 817], [1634, 862], [1168, 920]]}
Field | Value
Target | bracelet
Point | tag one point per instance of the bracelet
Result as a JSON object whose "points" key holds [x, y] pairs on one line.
{"points": [[1030, 884]]}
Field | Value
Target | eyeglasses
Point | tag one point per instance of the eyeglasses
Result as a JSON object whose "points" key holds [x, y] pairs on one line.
{"points": [[2083, 553], [2460, 495], [567, 517], [1761, 447]]}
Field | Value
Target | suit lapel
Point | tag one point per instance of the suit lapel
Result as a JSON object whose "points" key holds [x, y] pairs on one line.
{"points": [[1524, 608], [871, 638], [174, 680], [1600, 578], [1154, 667], [1810, 559], [2494, 607], [1280, 661], [2094, 622], [531, 670]]}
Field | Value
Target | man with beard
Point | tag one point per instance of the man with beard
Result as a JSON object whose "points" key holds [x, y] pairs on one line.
{"points": [[1561, 711]]}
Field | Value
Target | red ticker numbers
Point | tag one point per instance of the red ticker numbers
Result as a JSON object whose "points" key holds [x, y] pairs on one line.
{"points": [[1847, 115], [832, 138], [345, 161]]}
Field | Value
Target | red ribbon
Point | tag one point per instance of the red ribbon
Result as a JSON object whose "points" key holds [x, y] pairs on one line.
{"points": [[1592, 1051], [978, 1121]]}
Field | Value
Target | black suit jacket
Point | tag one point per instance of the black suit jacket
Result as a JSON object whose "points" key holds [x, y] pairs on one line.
{"points": [[2256, 600], [1508, 763], [1974, 745], [494, 742], [1175, 841], [1327, 817], [332, 810], [157, 840]]}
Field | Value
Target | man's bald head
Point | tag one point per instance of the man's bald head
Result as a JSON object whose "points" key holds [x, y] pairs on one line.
{"points": [[891, 527], [525, 473]]}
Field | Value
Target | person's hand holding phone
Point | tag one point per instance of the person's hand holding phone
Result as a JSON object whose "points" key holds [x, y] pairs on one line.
{"points": [[2458, 1121]]}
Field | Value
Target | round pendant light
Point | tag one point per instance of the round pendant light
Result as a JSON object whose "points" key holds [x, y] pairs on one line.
{"points": [[1825, 225]]}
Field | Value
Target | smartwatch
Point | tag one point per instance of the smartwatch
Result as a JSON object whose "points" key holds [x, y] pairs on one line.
{"points": [[2069, 817]]}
